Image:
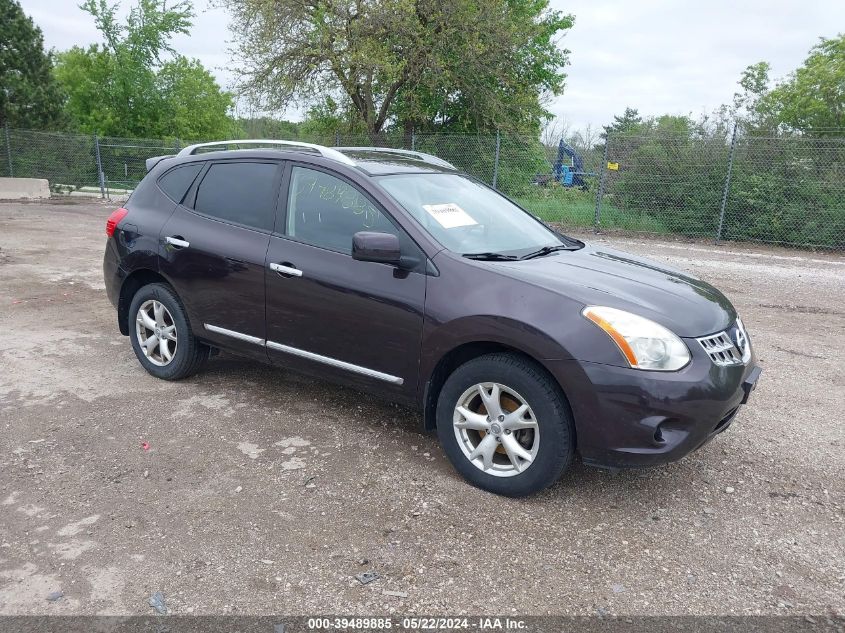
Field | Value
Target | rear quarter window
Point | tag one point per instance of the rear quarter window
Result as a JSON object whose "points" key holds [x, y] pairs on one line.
{"points": [[243, 193], [176, 182]]}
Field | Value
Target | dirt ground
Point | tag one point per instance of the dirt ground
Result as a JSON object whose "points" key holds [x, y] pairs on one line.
{"points": [[265, 492]]}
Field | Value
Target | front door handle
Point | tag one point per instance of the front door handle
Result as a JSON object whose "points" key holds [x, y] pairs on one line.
{"points": [[178, 242], [286, 269]]}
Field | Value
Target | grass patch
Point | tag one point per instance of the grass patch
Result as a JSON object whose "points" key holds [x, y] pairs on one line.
{"points": [[573, 207]]}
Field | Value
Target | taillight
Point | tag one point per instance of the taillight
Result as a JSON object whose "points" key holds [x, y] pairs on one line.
{"points": [[114, 220]]}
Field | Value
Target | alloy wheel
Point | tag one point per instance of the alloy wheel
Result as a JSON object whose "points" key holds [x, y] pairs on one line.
{"points": [[496, 429], [156, 332]]}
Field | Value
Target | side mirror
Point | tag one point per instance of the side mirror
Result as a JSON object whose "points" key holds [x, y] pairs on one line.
{"points": [[368, 246]]}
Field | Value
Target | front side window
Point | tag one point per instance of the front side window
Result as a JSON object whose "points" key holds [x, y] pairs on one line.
{"points": [[467, 217], [326, 211], [244, 193]]}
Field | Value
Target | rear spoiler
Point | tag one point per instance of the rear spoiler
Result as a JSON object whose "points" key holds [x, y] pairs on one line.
{"points": [[155, 160]]}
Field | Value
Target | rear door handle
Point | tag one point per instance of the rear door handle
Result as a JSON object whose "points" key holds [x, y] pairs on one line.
{"points": [[286, 269], [178, 242]]}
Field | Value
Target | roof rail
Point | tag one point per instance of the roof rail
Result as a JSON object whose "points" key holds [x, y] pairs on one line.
{"points": [[326, 152], [428, 158]]}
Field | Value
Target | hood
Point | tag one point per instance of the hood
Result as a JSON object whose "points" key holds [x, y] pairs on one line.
{"points": [[605, 276]]}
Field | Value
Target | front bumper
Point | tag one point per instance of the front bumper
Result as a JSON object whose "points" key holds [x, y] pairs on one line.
{"points": [[629, 418]]}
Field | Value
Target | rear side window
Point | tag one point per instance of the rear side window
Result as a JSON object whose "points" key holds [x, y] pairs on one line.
{"points": [[244, 193], [177, 181]]}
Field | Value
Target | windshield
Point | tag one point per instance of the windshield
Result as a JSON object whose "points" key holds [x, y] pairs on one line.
{"points": [[467, 217]]}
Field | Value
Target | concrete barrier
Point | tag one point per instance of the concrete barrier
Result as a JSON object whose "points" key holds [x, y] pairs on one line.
{"points": [[18, 188]]}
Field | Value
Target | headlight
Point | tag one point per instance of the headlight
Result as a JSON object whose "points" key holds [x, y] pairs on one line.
{"points": [[644, 343]]}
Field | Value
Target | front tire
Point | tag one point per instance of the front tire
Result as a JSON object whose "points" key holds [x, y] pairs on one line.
{"points": [[505, 425], [161, 335]]}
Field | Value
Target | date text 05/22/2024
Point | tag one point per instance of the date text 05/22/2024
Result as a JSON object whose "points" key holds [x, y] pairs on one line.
{"points": [[417, 624]]}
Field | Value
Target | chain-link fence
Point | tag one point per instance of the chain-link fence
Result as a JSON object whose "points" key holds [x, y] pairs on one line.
{"points": [[122, 161], [779, 190], [786, 190], [68, 162]]}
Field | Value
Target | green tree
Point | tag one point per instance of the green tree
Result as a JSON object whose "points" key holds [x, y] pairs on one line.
{"points": [[497, 64], [135, 84], [630, 122], [87, 75], [29, 95], [812, 99], [327, 117], [267, 127], [464, 65], [751, 109], [192, 104]]}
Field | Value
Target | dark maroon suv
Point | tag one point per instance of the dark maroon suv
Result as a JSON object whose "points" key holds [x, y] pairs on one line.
{"points": [[394, 273]]}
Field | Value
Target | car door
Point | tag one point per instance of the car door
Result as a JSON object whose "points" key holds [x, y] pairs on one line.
{"points": [[213, 251], [357, 322]]}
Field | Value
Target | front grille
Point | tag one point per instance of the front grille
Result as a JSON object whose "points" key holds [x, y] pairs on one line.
{"points": [[730, 347], [721, 349]]}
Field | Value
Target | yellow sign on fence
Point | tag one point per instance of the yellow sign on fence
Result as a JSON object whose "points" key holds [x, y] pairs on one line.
{"points": [[613, 166]]}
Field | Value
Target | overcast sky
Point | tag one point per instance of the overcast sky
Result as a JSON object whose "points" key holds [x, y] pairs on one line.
{"points": [[659, 56]]}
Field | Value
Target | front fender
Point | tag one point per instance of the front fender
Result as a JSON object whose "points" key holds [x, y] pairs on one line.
{"points": [[488, 332], [439, 339], [472, 302], [575, 339]]}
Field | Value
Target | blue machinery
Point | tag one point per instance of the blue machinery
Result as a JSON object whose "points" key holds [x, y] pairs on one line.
{"points": [[568, 169]]}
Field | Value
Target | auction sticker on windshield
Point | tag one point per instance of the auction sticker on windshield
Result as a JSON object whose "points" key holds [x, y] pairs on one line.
{"points": [[449, 215]]}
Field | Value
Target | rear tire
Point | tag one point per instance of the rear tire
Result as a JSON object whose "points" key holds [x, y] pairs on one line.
{"points": [[161, 334], [527, 442]]}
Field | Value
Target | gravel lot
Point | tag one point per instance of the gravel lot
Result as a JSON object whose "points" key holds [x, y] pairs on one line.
{"points": [[265, 492]]}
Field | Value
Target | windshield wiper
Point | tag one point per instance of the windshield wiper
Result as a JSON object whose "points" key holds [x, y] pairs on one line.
{"points": [[490, 257], [546, 250]]}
